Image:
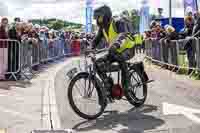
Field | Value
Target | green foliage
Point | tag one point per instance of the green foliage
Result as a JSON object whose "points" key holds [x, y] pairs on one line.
{"points": [[135, 18], [56, 24]]}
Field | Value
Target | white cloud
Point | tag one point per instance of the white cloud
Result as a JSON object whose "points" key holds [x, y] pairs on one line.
{"points": [[73, 10]]}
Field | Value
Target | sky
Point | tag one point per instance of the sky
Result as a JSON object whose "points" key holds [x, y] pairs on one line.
{"points": [[72, 10]]}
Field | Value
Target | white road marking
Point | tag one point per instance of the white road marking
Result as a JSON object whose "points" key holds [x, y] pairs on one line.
{"points": [[49, 89], [172, 109]]}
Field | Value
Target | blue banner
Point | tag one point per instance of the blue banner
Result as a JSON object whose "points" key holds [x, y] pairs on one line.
{"points": [[144, 19], [89, 15]]}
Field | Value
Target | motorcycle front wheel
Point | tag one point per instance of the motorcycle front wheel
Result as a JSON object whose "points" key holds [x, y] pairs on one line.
{"points": [[91, 98]]}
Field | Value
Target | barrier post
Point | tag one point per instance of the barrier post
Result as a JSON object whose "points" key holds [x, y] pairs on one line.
{"points": [[3, 59], [198, 53], [14, 61]]}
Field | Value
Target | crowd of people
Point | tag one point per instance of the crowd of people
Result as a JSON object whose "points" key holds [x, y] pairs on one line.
{"points": [[168, 32], [35, 35]]}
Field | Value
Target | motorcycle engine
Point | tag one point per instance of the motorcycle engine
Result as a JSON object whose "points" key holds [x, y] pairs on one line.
{"points": [[117, 91]]}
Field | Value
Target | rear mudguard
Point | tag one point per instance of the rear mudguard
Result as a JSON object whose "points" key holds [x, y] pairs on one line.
{"points": [[139, 67]]}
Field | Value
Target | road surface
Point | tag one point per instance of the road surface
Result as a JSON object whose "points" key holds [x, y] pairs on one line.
{"points": [[172, 106]]}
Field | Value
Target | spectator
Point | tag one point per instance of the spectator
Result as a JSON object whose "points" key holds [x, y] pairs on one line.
{"points": [[34, 41], [154, 33], [37, 28], [147, 34], [171, 33], [44, 44], [67, 43], [75, 44], [153, 24], [196, 29], [13, 50], [188, 28], [3, 48], [25, 30], [160, 31], [188, 31], [17, 19], [4, 29], [167, 44], [51, 43]]}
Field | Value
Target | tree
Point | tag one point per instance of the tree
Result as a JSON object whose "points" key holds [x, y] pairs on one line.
{"points": [[56, 25], [135, 18]]}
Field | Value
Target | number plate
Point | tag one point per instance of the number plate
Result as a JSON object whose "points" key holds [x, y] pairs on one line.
{"points": [[54, 131], [72, 72]]}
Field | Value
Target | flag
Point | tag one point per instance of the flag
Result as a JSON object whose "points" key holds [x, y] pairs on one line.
{"points": [[144, 19], [89, 11], [190, 6]]}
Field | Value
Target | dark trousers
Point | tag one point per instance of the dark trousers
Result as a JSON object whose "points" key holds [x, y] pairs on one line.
{"points": [[191, 57]]}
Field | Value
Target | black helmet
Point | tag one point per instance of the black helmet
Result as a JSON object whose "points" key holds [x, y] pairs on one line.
{"points": [[104, 13]]}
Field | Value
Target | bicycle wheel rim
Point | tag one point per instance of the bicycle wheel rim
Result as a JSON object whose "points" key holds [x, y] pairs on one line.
{"points": [[74, 106]]}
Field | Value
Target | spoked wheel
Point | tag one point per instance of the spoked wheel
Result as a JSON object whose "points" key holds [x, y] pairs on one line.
{"points": [[136, 93], [85, 97]]}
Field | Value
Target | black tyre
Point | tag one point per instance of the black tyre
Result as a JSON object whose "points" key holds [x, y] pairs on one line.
{"points": [[136, 82], [94, 85]]}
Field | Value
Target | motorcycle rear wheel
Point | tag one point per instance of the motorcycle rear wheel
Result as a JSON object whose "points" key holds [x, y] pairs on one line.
{"points": [[130, 92]]}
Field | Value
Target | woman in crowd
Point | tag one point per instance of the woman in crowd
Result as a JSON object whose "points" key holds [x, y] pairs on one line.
{"points": [[51, 43], [43, 44], [169, 34], [34, 41], [3, 48], [75, 44]]}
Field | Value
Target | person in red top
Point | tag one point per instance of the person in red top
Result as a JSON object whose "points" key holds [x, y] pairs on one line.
{"points": [[3, 48], [75, 44]]}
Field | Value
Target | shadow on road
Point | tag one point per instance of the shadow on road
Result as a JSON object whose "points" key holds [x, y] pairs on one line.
{"points": [[131, 121]]}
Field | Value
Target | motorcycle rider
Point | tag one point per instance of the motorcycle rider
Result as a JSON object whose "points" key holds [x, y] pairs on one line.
{"points": [[119, 40]]}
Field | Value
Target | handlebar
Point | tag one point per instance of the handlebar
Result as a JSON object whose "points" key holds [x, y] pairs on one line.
{"points": [[94, 51]]}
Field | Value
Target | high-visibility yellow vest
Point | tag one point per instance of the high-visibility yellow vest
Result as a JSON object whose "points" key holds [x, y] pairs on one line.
{"points": [[138, 39], [112, 36]]}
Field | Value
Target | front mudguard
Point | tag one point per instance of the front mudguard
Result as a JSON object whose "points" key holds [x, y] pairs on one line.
{"points": [[139, 67]]}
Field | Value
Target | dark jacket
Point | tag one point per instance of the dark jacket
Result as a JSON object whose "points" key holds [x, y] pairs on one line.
{"points": [[13, 34], [13, 52], [172, 36], [196, 28], [3, 35]]}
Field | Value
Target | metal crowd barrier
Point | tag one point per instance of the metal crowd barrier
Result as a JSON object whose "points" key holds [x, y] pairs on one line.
{"points": [[17, 59], [9, 58], [21, 59], [176, 53]]}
